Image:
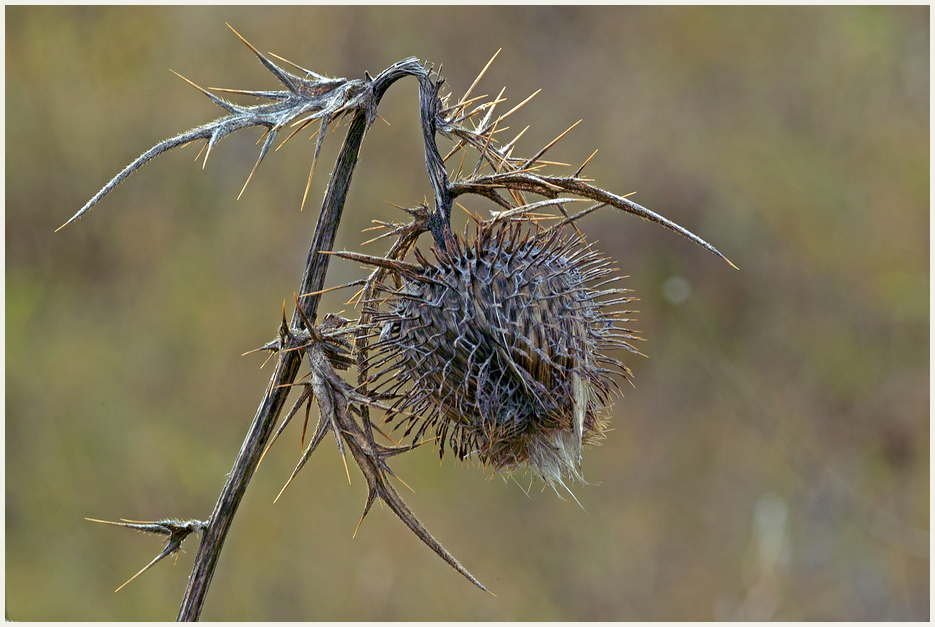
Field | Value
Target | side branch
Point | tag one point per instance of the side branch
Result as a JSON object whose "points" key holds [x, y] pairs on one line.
{"points": [[552, 186]]}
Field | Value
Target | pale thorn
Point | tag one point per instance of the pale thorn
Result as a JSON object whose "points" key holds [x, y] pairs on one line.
{"points": [[483, 155], [283, 489], [461, 165], [219, 101], [256, 350], [355, 297], [493, 105], [359, 522], [379, 225], [510, 145], [474, 216], [530, 97], [465, 103], [332, 289], [483, 107], [311, 173], [266, 361], [535, 158], [161, 555], [404, 483], [292, 134], [586, 161], [248, 180], [346, 471], [298, 67], [479, 76], [500, 215], [207, 141], [277, 72]]}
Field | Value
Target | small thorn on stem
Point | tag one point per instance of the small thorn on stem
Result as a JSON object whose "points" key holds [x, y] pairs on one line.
{"points": [[578, 173]]}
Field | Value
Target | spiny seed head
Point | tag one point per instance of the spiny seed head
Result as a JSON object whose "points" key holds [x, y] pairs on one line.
{"points": [[498, 347]]}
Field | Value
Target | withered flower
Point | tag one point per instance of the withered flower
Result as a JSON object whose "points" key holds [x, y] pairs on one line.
{"points": [[499, 347]]}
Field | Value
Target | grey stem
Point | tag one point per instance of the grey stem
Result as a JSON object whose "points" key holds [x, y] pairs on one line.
{"points": [[286, 370]]}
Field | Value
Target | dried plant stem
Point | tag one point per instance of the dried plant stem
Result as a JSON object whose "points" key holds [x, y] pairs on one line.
{"points": [[288, 365]]}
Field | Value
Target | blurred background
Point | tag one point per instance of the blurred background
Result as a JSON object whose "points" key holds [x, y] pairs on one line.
{"points": [[771, 462]]}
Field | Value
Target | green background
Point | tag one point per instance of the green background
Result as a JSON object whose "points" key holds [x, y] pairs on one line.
{"points": [[772, 461]]}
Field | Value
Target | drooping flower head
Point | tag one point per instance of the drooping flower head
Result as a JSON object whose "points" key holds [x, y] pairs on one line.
{"points": [[499, 347]]}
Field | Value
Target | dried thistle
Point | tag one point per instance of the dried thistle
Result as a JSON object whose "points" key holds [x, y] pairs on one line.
{"points": [[498, 347]]}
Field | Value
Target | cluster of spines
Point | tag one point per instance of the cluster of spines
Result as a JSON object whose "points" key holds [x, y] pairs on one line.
{"points": [[482, 345]]}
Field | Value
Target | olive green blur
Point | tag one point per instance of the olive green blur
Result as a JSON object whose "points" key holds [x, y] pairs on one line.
{"points": [[771, 462]]}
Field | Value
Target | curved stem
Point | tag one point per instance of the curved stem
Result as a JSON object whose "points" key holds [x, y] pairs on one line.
{"points": [[440, 221]]}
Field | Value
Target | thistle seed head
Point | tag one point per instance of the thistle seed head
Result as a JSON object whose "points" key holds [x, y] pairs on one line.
{"points": [[499, 348]]}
